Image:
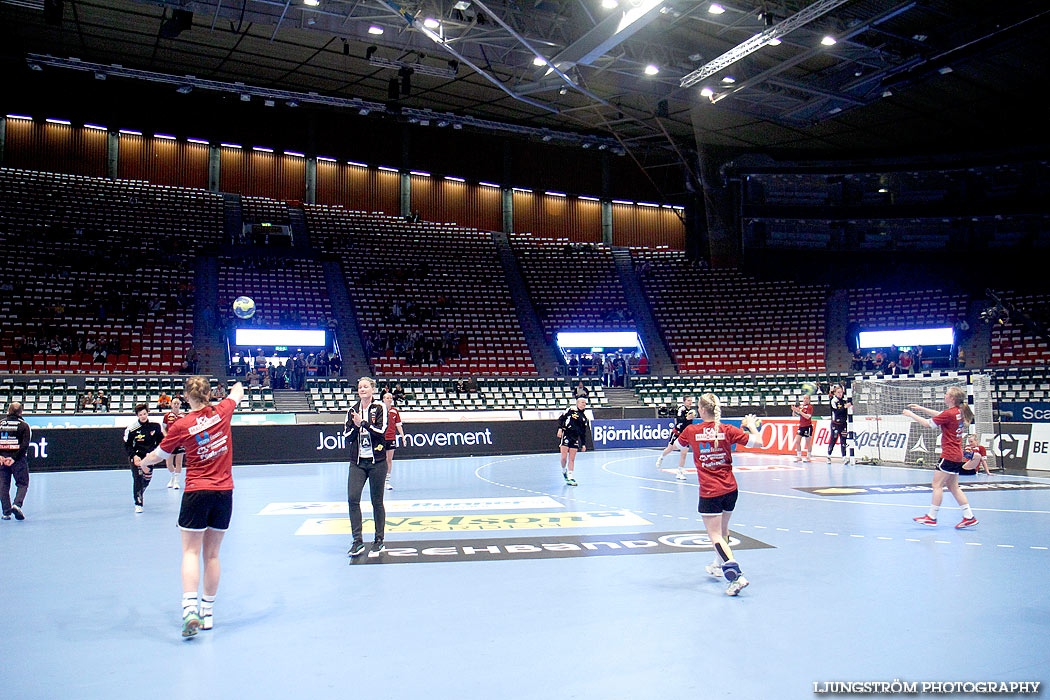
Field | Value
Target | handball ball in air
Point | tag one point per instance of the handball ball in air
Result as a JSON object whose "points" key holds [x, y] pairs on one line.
{"points": [[809, 388], [920, 461], [244, 307]]}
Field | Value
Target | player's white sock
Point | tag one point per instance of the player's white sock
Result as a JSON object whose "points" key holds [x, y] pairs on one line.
{"points": [[967, 513], [189, 602], [932, 512]]}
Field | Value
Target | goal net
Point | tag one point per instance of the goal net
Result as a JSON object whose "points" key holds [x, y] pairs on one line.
{"points": [[881, 433]]}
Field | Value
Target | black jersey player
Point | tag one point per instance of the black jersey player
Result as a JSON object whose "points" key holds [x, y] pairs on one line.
{"points": [[573, 429]]}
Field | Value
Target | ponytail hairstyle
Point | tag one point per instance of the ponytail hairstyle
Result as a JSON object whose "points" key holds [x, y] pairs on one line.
{"points": [[958, 394], [710, 403], [199, 388], [834, 388]]}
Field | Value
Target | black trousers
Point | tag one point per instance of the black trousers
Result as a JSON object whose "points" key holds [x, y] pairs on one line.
{"points": [[139, 483], [837, 433], [375, 474], [20, 471]]}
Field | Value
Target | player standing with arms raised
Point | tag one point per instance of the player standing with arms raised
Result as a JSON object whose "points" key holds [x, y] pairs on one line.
{"points": [[712, 444], [573, 429], [804, 434], [682, 418], [953, 423]]}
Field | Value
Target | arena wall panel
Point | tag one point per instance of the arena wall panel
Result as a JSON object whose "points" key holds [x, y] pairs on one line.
{"points": [[557, 217], [447, 201], [647, 226], [163, 162], [364, 189], [55, 148]]}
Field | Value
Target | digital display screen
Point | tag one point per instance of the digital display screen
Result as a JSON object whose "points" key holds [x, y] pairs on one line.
{"points": [[271, 337], [598, 339], [912, 337]]}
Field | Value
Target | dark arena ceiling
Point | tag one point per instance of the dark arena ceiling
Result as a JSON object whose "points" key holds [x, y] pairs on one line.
{"points": [[902, 76]]}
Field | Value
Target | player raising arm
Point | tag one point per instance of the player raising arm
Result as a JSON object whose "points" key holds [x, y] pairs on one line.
{"points": [[804, 434], [712, 444], [685, 415]]}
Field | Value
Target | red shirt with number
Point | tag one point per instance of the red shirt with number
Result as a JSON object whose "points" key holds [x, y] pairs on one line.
{"points": [[394, 419], [205, 435], [169, 420], [805, 420], [952, 429], [714, 462]]}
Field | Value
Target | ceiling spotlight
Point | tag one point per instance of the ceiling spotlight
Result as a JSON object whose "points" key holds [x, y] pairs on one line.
{"points": [[774, 42], [184, 89], [586, 144], [539, 61], [461, 5], [99, 75], [375, 29], [35, 66], [269, 103], [696, 57], [610, 4], [716, 9], [652, 69], [603, 147], [443, 122], [311, 21], [547, 137], [887, 93], [292, 103], [364, 111], [245, 97], [707, 92], [944, 70], [563, 91], [311, 3], [828, 41], [729, 80], [431, 23]]}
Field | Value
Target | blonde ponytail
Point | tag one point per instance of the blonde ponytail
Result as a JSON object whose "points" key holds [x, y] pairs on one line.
{"points": [[710, 403], [959, 395]]}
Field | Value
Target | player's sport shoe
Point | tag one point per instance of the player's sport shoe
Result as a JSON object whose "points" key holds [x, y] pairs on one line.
{"points": [[207, 622], [5, 517], [714, 570], [356, 549], [659, 461], [965, 523], [389, 485], [569, 481], [175, 484], [736, 586], [378, 547], [680, 475], [926, 520], [138, 509], [191, 622], [19, 515]]}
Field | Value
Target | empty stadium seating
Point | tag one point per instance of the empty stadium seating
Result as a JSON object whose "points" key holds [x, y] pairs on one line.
{"points": [[281, 288], [261, 210], [744, 390], [725, 321], [1017, 343], [874, 308], [386, 259], [573, 286]]}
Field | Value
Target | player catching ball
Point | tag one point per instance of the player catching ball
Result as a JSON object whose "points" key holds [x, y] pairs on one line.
{"points": [[953, 423], [573, 428], [207, 502], [839, 419], [712, 444], [685, 415], [804, 434]]}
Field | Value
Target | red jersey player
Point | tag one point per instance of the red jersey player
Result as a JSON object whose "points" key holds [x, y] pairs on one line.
{"points": [[394, 427], [953, 423], [174, 462], [712, 445], [805, 428]]}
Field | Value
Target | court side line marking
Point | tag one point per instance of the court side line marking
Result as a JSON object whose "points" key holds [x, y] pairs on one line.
{"points": [[650, 488]]}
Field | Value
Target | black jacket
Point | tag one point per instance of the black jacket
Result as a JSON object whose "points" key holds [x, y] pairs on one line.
{"points": [[375, 423], [15, 435], [142, 438]]}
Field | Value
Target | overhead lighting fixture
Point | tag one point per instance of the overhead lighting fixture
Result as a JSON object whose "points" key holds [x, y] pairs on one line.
{"points": [[586, 144], [707, 92], [419, 173], [563, 91], [461, 5], [622, 201], [729, 80], [715, 9], [648, 204], [443, 123], [945, 70], [919, 37], [356, 164], [547, 138], [555, 194], [610, 4], [489, 184], [539, 61], [828, 41], [887, 93], [269, 103], [184, 89], [262, 149], [311, 3], [588, 199], [166, 137], [774, 42], [431, 23], [652, 69], [292, 103], [230, 145], [35, 66], [326, 159], [375, 29], [364, 111], [63, 122], [387, 169], [95, 127], [295, 154], [523, 190], [245, 97], [130, 132], [883, 190], [99, 75], [454, 179], [457, 125], [836, 110], [200, 141], [19, 116]]}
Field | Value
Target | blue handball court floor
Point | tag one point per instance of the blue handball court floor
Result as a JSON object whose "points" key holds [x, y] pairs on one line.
{"points": [[503, 583]]}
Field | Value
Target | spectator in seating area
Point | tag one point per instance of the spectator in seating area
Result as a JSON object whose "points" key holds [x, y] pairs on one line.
{"points": [[643, 364], [892, 370], [100, 402], [219, 392], [322, 363], [904, 361], [918, 357], [607, 371], [335, 363], [260, 358], [82, 401], [858, 360], [164, 402], [581, 391], [472, 386], [399, 393], [619, 371], [878, 361], [960, 359]]}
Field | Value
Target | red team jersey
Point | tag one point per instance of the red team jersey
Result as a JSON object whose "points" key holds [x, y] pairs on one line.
{"points": [[205, 435], [952, 429], [806, 419], [714, 464], [394, 418], [169, 420]]}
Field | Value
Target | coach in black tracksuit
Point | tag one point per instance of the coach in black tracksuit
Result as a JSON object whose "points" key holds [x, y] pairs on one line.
{"points": [[365, 431], [139, 440], [14, 446]]}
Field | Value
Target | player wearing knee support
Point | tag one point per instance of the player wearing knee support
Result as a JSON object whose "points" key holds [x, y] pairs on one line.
{"points": [[953, 423], [712, 444]]}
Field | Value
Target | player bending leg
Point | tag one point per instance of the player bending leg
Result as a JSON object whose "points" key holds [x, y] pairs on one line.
{"points": [[712, 444], [573, 428], [683, 417], [953, 423]]}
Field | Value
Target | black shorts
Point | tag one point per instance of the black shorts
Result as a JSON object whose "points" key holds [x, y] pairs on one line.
{"points": [[178, 451], [206, 510], [806, 432], [674, 437], [713, 505], [951, 467], [391, 445], [573, 443]]}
